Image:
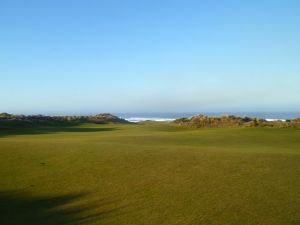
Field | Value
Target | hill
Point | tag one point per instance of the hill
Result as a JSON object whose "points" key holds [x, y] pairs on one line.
{"points": [[202, 121], [10, 120]]}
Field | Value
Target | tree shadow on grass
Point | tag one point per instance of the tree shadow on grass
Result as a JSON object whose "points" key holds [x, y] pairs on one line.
{"points": [[51, 130], [19, 208]]}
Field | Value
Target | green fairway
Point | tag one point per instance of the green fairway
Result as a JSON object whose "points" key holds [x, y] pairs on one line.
{"points": [[149, 174]]}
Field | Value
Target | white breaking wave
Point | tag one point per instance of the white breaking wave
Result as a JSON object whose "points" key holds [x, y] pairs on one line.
{"points": [[272, 120], [141, 119], [159, 119]]}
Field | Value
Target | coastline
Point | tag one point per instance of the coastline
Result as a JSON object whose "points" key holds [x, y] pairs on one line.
{"points": [[168, 117]]}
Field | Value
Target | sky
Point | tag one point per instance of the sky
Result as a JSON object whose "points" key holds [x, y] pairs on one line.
{"points": [[93, 56]]}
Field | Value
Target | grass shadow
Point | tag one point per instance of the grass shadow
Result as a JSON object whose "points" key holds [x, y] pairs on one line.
{"points": [[19, 208], [51, 130]]}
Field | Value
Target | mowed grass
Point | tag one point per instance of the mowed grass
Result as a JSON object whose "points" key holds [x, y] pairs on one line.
{"points": [[152, 173]]}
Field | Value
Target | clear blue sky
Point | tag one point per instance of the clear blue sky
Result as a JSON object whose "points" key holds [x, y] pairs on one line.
{"points": [[74, 57]]}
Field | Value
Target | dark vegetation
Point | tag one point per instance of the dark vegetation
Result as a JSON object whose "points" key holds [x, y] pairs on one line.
{"points": [[10, 121], [202, 121], [23, 121]]}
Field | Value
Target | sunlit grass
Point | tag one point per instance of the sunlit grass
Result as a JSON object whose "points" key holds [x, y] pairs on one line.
{"points": [[154, 173]]}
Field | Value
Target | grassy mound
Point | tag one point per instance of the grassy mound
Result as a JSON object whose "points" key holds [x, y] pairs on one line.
{"points": [[9, 121], [202, 121]]}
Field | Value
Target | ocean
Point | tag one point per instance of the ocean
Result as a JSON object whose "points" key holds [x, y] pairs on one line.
{"points": [[139, 117]]}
